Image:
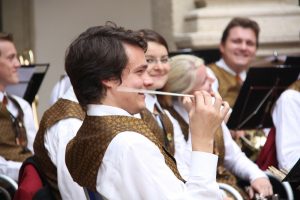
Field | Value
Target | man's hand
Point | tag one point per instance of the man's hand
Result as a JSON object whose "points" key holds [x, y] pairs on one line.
{"points": [[206, 116], [261, 186]]}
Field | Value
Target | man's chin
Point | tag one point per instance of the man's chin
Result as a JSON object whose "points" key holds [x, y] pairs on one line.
{"points": [[14, 82], [138, 110]]}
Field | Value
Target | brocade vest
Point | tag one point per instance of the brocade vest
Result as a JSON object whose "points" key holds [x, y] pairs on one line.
{"points": [[86, 150], [165, 134], [229, 87], [295, 86], [62, 109], [11, 127]]}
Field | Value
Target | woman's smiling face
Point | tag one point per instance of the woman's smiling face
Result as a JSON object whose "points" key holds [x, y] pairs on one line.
{"points": [[158, 65]]}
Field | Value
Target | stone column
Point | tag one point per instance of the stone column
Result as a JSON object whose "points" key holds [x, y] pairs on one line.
{"points": [[17, 19]]}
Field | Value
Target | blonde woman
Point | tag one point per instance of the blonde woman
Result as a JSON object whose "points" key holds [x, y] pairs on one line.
{"points": [[188, 74]]}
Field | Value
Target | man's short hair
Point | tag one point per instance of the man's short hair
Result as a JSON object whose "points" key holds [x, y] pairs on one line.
{"points": [[5, 37], [98, 54], [244, 23]]}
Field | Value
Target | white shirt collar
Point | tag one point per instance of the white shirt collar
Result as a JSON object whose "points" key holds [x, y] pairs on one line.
{"points": [[70, 95], [2, 95], [151, 101], [221, 63], [105, 110]]}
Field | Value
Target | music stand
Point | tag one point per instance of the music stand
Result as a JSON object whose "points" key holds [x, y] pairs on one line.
{"points": [[262, 87], [292, 61], [31, 78], [294, 173]]}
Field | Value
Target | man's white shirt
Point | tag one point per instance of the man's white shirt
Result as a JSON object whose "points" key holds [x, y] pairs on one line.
{"points": [[8, 167], [286, 115], [56, 140], [134, 168], [235, 160]]}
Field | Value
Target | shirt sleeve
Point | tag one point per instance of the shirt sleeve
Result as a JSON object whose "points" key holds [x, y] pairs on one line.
{"points": [[29, 124], [56, 140], [286, 115], [134, 168], [237, 162], [10, 168]]}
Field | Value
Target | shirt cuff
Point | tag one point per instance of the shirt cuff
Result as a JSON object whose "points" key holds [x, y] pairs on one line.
{"points": [[257, 174], [204, 164]]}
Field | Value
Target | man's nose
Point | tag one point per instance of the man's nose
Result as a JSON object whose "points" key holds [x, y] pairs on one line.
{"points": [[244, 45], [17, 62], [148, 81]]}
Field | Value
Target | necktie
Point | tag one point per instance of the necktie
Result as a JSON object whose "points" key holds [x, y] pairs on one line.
{"points": [[167, 128], [238, 79], [161, 126], [17, 122], [3, 105]]}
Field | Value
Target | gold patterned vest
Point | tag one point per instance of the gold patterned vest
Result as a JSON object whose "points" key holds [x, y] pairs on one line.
{"points": [[62, 109], [86, 150], [295, 86], [9, 149], [183, 125], [229, 87], [165, 134]]}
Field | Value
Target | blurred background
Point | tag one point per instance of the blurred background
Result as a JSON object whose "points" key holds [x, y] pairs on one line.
{"points": [[48, 27]]}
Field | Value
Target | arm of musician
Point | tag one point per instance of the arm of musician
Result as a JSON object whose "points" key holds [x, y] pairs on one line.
{"points": [[205, 117], [238, 163], [10, 168], [56, 140], [29, 125], [286, 115]]}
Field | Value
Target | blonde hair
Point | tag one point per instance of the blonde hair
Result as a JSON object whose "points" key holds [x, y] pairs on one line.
{"points": [[182, 75]]}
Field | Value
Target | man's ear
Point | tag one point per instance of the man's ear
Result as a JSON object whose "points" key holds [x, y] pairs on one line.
{"points": [[221, 47], [110, 83]]}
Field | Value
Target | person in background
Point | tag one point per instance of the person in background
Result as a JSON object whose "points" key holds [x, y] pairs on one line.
{"points": [[58, 126], [188, 74], [238, 48], [17, 130], [158, 119], [114, 153], [239, 43], [285, 115], [59, 89]]}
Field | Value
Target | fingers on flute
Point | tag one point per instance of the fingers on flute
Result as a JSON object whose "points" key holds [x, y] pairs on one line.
{"points": [[199, 98], [218, 100], [225, 108]]}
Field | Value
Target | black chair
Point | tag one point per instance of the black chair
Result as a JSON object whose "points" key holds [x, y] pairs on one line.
{"points": [[8, 187]]}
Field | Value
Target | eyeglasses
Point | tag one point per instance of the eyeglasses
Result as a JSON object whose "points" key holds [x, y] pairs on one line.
{"points": [[153, 60]]}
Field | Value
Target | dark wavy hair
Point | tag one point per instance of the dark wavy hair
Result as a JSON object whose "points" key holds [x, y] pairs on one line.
{"points": [[241, 22], [98, 54], [152, 36]]}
